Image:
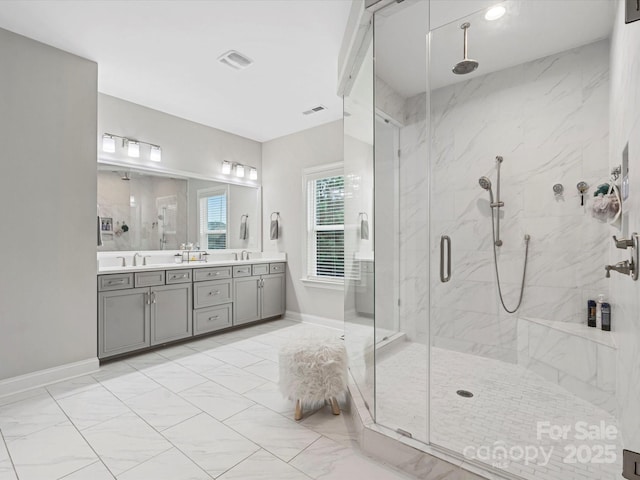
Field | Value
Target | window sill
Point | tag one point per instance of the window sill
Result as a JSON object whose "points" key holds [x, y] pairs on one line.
{"points": [[327, 284]]}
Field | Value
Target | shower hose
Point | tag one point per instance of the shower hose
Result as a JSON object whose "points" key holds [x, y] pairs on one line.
{"points": [[495, 263]]}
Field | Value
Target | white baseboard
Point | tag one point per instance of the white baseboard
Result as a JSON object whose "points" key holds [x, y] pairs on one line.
{"points": [[315, 320], [40, 378]]}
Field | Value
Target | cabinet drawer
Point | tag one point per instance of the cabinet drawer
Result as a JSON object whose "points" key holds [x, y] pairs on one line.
{"points": [[216, 292], [116, 281], [178, 276], [214, 273], [212, 318], [276, 268], [149, 279], [242, 271], [261, 269]]}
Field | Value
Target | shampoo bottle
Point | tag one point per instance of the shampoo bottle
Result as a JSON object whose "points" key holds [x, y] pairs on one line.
{"points": [[599, 311], [591, 313], [606, 317]]}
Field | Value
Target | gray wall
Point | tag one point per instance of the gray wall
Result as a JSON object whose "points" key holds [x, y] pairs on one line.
{"points": [[186, 146], [48, 106], [283, 161]]}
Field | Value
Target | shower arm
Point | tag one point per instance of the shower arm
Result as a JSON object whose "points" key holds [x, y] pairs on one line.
{"points": [[464, 51]]}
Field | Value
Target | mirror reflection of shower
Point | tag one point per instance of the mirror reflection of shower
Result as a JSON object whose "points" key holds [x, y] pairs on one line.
{"points": [[495, 205]]}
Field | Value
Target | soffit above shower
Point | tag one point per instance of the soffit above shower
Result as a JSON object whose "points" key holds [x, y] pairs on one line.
{"points": [[164, 55], [529, 30]]}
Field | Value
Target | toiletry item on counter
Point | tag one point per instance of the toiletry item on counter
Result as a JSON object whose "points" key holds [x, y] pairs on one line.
{"points": [[591, 313], [599, 311], [606, 317]]}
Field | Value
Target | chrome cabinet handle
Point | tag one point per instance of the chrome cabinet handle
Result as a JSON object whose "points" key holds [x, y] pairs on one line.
{"points": [[154, 297], [147, 297], [444, 239], [215, 274], [217, 292], [116, 282], [215, 317], [184, 275]]}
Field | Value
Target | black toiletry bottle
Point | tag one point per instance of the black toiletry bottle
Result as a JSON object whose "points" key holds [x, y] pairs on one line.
{"points": [[591, 313], [606, 317]]}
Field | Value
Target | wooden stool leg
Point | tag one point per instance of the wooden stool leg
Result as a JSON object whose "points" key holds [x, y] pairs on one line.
{"points": [[335, 408], [298, 415]]}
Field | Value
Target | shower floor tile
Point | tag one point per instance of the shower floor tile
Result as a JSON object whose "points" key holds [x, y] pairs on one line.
{"points": [[510, 411]]}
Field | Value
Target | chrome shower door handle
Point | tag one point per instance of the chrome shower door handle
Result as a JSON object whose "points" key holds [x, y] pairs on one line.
{"points": [[445, 240]]}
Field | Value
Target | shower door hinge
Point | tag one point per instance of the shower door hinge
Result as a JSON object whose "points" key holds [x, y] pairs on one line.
{"points": [[398, 302], [404, 433], [399, 151]]}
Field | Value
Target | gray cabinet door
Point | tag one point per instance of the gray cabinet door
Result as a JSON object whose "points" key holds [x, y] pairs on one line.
{"points": [[123, 321], [273, 299], [246, 300], [170, 313]]}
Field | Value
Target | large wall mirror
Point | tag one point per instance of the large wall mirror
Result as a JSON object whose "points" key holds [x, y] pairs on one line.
{"points": [[149, 210]]}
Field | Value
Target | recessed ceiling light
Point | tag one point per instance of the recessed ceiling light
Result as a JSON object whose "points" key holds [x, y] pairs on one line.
{"points": [[494, 13]]}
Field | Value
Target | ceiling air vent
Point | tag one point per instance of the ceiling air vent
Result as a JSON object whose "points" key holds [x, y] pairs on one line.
{"points": [[235, 60], [317, 109]]}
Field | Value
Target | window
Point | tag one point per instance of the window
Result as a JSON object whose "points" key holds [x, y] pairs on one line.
{"points": [[212, 219], [325, 223]]}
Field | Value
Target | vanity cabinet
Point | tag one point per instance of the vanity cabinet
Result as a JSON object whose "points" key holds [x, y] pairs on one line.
{"points": [[136, 318], [139, 310], [258, 297]]}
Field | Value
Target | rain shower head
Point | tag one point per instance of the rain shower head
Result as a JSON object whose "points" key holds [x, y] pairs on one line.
{"points": [[466, 65]]}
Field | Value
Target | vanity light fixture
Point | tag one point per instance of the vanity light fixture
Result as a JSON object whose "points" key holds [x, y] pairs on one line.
{"points": [[239, 170], [226, 167], [132, 146], [133, 149], [155, 155], [253, 173], [108, 143], [494, 13]]}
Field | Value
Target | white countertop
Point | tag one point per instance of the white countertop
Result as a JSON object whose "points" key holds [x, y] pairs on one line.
{"points": [[276, 258]]}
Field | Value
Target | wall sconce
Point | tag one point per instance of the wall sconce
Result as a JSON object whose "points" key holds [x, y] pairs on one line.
{"points": [[239, 170], [226, 167], [253, 174], [132, 146]]}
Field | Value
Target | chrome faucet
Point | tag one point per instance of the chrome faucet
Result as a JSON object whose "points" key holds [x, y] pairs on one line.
{"points": [[124, 261], [235, 254], [242, 255], [135, 259], [626, 268], [144, 259]]}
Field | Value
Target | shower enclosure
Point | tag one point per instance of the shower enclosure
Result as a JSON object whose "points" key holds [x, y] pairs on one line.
{"points": [[433, 353]]}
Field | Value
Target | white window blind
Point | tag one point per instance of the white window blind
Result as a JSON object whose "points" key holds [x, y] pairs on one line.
{"points": [[325, 235], [213, 219]]}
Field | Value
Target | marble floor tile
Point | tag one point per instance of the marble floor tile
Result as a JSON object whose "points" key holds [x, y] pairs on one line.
{"points": [[129, 385], [125, 442], [50, 453], [273, 432], [232, 356], [144, 361], [265, 369], [234, 378], [92, 407], [71, 387], [263, 466], [328, 460], [6, 467], [95, 471], [335, 427], [161, 408], [198, 362], [210, 444], [216, 400], [30, 415], [169, 465], [174, 377], [20, 396], [268, 395]]}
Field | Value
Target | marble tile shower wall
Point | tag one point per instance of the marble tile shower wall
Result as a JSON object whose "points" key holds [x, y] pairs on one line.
{"points": [[414, 220], [549, 120]]}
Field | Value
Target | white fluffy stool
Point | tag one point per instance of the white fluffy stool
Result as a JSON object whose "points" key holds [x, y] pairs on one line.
{"points": [[313, 371]]}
